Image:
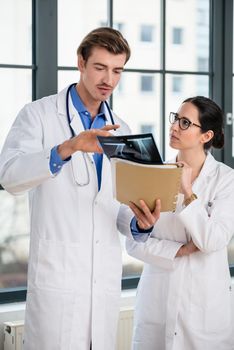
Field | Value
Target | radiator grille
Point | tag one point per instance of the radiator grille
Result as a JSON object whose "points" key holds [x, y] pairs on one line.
{"points": [[13, 332]]}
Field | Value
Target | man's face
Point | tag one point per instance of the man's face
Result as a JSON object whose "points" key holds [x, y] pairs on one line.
{"points": [[100, 74]]}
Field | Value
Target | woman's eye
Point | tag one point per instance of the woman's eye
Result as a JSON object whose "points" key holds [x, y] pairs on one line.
{"points": [[185, 123]]}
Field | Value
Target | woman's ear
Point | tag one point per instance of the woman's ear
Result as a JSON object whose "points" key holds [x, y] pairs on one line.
{"points": [[207, 136]]}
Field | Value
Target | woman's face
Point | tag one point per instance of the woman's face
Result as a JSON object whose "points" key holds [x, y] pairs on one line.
{"points": [[190, 138]]}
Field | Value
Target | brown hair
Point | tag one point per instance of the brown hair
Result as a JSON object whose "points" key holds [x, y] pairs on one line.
{"points": [[210, 118], [108, 38]]}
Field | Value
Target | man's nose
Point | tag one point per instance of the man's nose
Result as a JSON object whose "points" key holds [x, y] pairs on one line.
{"points": [[108, 77]]}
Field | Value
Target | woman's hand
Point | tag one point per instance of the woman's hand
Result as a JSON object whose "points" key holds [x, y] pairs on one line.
{"points": [[187, 249], [186, 179], [146, 218]]}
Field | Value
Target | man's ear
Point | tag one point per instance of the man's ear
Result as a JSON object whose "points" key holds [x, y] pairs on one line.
{"points": [[207, 136], [80, 63]]}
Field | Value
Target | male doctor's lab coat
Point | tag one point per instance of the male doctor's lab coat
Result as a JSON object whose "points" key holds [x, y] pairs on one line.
{"points": [[185, 303], [75, 267]]}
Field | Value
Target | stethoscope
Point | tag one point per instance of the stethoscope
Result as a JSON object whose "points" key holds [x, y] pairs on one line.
{"points": [[86, 179], [68, 112]]}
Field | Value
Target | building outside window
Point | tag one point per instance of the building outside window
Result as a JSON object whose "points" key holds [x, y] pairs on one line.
{"points": [[147, 82], [177, 36], [146, 33], [177, 85]]}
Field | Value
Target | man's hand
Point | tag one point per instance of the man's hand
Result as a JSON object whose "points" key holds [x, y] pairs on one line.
{"points": [[86, 141], [187, 249], [145, 218]]}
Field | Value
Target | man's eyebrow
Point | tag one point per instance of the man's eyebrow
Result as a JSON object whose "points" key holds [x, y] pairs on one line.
{"points": [[105, 66]]}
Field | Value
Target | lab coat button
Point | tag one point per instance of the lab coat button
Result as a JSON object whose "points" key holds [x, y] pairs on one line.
{"points": [[175, 333], [97, 241]]}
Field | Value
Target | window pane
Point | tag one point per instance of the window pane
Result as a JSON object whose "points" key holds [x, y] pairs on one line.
{"points": [[147, 82], [137, 108], [16, 31], [142, 113], [75, 20], [14, 240], [231, 252], [187, 36], [189, 85], [66, 77], [131, 267], [15, 91], [142, 32]]}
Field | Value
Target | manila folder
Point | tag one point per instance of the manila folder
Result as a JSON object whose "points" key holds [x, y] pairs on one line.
{"points": [[134, 181]]}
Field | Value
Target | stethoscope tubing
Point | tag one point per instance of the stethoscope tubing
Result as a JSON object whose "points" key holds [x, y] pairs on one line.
{"points": [[85, 183]]}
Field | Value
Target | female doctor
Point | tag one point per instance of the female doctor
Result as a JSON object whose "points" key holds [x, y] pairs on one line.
{"points": [[75, 266], [184, 294]]}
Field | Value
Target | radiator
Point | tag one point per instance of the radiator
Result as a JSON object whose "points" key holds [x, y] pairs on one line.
{"points": [[125, 329], [13, 332], [13, 335]]}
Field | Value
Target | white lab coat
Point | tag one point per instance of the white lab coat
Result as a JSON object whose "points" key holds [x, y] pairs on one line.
{"points": [[185, 303], [74, 275]]}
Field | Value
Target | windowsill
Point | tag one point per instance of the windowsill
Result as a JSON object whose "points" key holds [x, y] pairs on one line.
{"points": [[12, 307], [127, 300]]}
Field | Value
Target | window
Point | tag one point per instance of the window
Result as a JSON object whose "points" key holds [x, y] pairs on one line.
{"points": [[177, 84], [177, 36], [156, 79], [147, 83], [16, 74], [147, 128], [202, 64], [202, 16], [146, 33]]}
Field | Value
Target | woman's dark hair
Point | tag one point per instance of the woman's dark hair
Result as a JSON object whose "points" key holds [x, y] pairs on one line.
{"points": [[108, 38], [210, 118]]}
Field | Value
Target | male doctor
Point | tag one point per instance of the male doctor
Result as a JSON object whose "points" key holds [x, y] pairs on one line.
{"points": [[74, 270]]}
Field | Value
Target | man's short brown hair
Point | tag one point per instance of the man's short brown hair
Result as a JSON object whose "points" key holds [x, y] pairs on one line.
{"points": [[108, 38]]}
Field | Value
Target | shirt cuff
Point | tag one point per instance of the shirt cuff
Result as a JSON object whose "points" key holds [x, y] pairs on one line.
{"points": [[138, 233], [56, 161]]}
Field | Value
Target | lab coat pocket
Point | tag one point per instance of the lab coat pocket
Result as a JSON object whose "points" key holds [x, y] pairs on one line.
{"points": [[59, 265], [210, 304]]}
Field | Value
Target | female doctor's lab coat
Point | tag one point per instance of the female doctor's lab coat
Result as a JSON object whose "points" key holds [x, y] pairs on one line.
{"points": [[75, 267], [185, 303]]}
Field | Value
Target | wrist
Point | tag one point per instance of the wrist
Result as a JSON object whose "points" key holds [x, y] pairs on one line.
{"points": [[65, 150], [189, 198]]}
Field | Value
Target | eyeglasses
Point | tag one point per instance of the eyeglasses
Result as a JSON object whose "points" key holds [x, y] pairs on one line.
{"points": [[184, 123]]}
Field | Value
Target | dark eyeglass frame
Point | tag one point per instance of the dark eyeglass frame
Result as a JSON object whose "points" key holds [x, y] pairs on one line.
{"points": [[174, 117]]}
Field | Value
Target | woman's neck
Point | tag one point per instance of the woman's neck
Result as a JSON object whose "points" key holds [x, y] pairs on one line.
{"points": [[194, 159]]}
